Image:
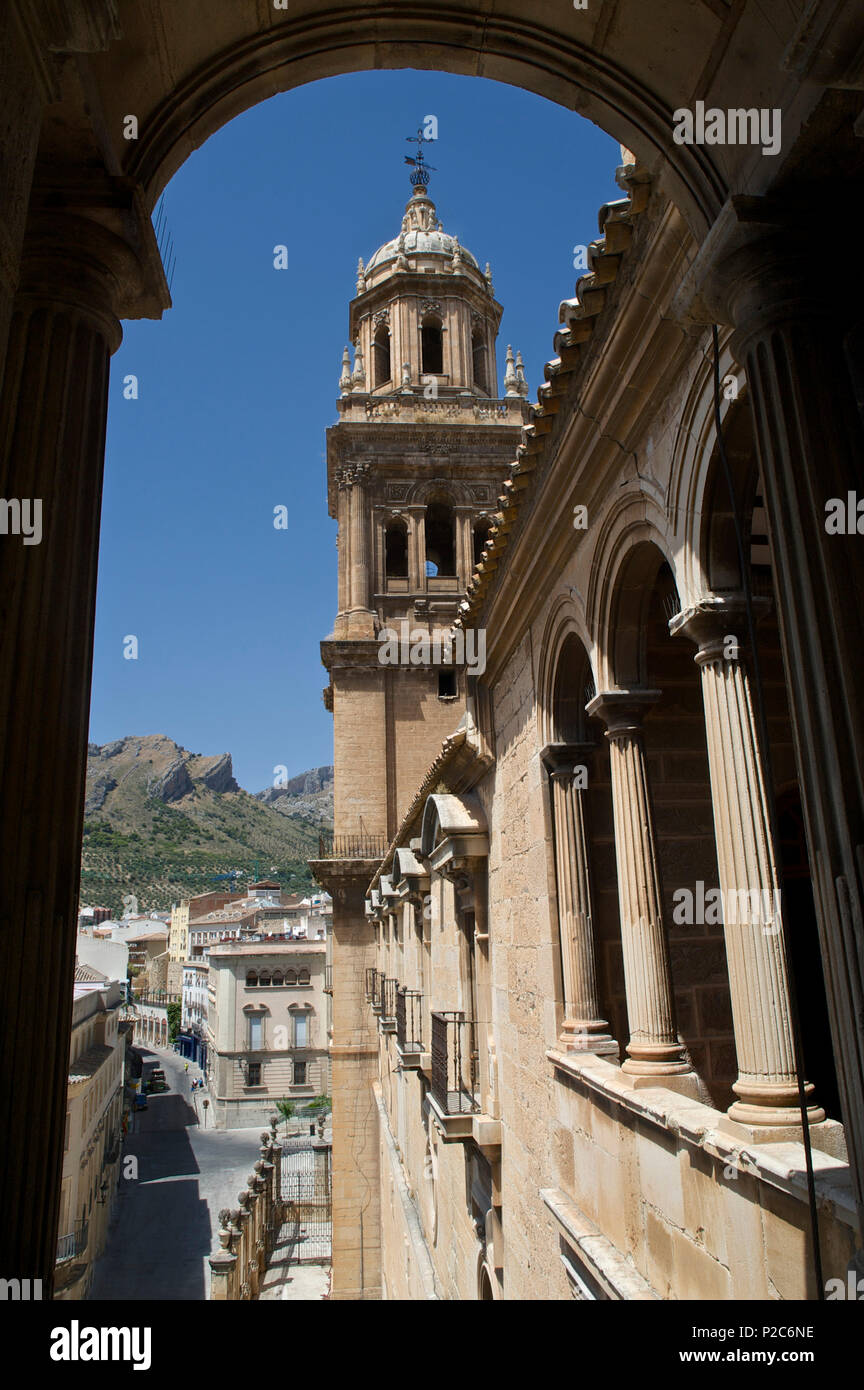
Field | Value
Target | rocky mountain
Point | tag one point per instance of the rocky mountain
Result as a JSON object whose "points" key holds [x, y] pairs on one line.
{"points": [[165, 823], [310, 795]]}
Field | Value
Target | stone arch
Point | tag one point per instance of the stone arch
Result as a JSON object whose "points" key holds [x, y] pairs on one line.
{"points": [[689, 503], [563, 626], [558, 52], [630, 549]]}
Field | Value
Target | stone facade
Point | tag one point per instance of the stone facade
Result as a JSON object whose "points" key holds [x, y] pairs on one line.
{"points": [[591, 926], [735, 239], [266, 1028], [92, 1133]]}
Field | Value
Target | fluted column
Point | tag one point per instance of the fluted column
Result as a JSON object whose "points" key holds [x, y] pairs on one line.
{"points": [[582, 1028], [757, 274], [654, 1049], [767, 1086], [76, 276]]}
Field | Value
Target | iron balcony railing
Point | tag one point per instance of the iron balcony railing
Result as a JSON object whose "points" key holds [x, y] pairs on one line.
{"points": [[388, 999], [328, 979], [71, 1246], [409, 1020], [372, 847], [455, 1072]]}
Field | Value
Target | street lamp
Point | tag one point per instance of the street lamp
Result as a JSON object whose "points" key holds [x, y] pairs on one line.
{"points": [[205, 1102]]}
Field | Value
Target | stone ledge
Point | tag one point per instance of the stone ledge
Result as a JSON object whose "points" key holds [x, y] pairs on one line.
{"points": [[613, 1272], [781, 1165]]}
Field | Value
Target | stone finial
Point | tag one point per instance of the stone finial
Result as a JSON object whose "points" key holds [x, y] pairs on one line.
{"points": [[361, 276], [406, 379], [358, 380], [511, 384], [488, 277], [344, 387], [521, 383], [224, 1218]]}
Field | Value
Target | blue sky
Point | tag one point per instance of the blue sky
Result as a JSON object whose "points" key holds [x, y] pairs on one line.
{"points": [[239, 380]]}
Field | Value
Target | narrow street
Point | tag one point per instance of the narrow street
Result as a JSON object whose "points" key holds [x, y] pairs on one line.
{"points": [[166, 1218]]}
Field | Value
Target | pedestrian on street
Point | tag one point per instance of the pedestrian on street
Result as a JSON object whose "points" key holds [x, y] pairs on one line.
{"points": [[185, 1066]]}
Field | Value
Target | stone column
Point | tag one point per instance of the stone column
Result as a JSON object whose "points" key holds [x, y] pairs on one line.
{"points": [[756, 272], [343, 546], [583, 1029], [361, 621], [767, 1087], [76, 277], [654, 1049]]}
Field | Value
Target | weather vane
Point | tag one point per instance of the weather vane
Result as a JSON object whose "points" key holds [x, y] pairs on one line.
{"points": [[420, 173]]}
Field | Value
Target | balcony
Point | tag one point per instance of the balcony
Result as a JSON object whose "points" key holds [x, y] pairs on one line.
{"points": [[371, 978], [377, 989], [387, 1017], [409, 1027], [455, 1078], [72, 1246], [371, 847]]}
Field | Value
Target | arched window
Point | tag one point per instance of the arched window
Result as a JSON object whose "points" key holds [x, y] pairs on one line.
{"points": [[303, 977], [432, 343], [481, 536], [264, 979], [381, 355], [277, 979], [291, 977], [251, 979], [478, 357], [396, 550], [440, 530]]}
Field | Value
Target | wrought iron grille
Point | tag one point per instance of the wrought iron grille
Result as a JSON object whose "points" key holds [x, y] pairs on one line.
{"points": [[372, 847], [388, 998], [69, 1247], [409, 1020], [455, 1071], [305, 1235]]}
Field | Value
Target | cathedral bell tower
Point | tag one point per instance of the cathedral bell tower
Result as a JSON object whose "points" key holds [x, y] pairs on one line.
{"points": [[415, 464]]}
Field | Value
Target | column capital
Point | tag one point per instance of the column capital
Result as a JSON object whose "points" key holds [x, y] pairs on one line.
{"points": [[559, 758], [717, 625], [622, 711], [756, 266], [94, 249]]}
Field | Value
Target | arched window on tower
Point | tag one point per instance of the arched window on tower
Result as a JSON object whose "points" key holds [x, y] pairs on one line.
{"points": [[396, 550], [440, 533], [432, 343], [478, 357], [481, 536], [381, 354]]}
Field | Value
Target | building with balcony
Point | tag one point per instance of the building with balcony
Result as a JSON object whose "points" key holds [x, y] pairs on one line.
{"points": [[93, 1128], [582, 1042], [267, 1016]]}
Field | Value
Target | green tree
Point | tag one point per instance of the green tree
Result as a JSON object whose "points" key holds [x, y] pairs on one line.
{"points": [[173, 1011], [286, 1109]]}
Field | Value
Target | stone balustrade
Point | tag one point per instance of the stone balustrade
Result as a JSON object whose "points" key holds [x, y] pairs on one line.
{"points": [[248, 1234]]}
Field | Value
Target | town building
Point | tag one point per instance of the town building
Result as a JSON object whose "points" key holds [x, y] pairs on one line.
{"points": [[192, 1039], [92, 1130], [266, 1028], [188, 910]]}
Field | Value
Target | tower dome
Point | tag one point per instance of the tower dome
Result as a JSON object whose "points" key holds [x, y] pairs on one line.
{"points": [[422, 235]]}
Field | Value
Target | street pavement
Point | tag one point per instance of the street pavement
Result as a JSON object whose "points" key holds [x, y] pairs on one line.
{"points": [[166, 1219]]}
